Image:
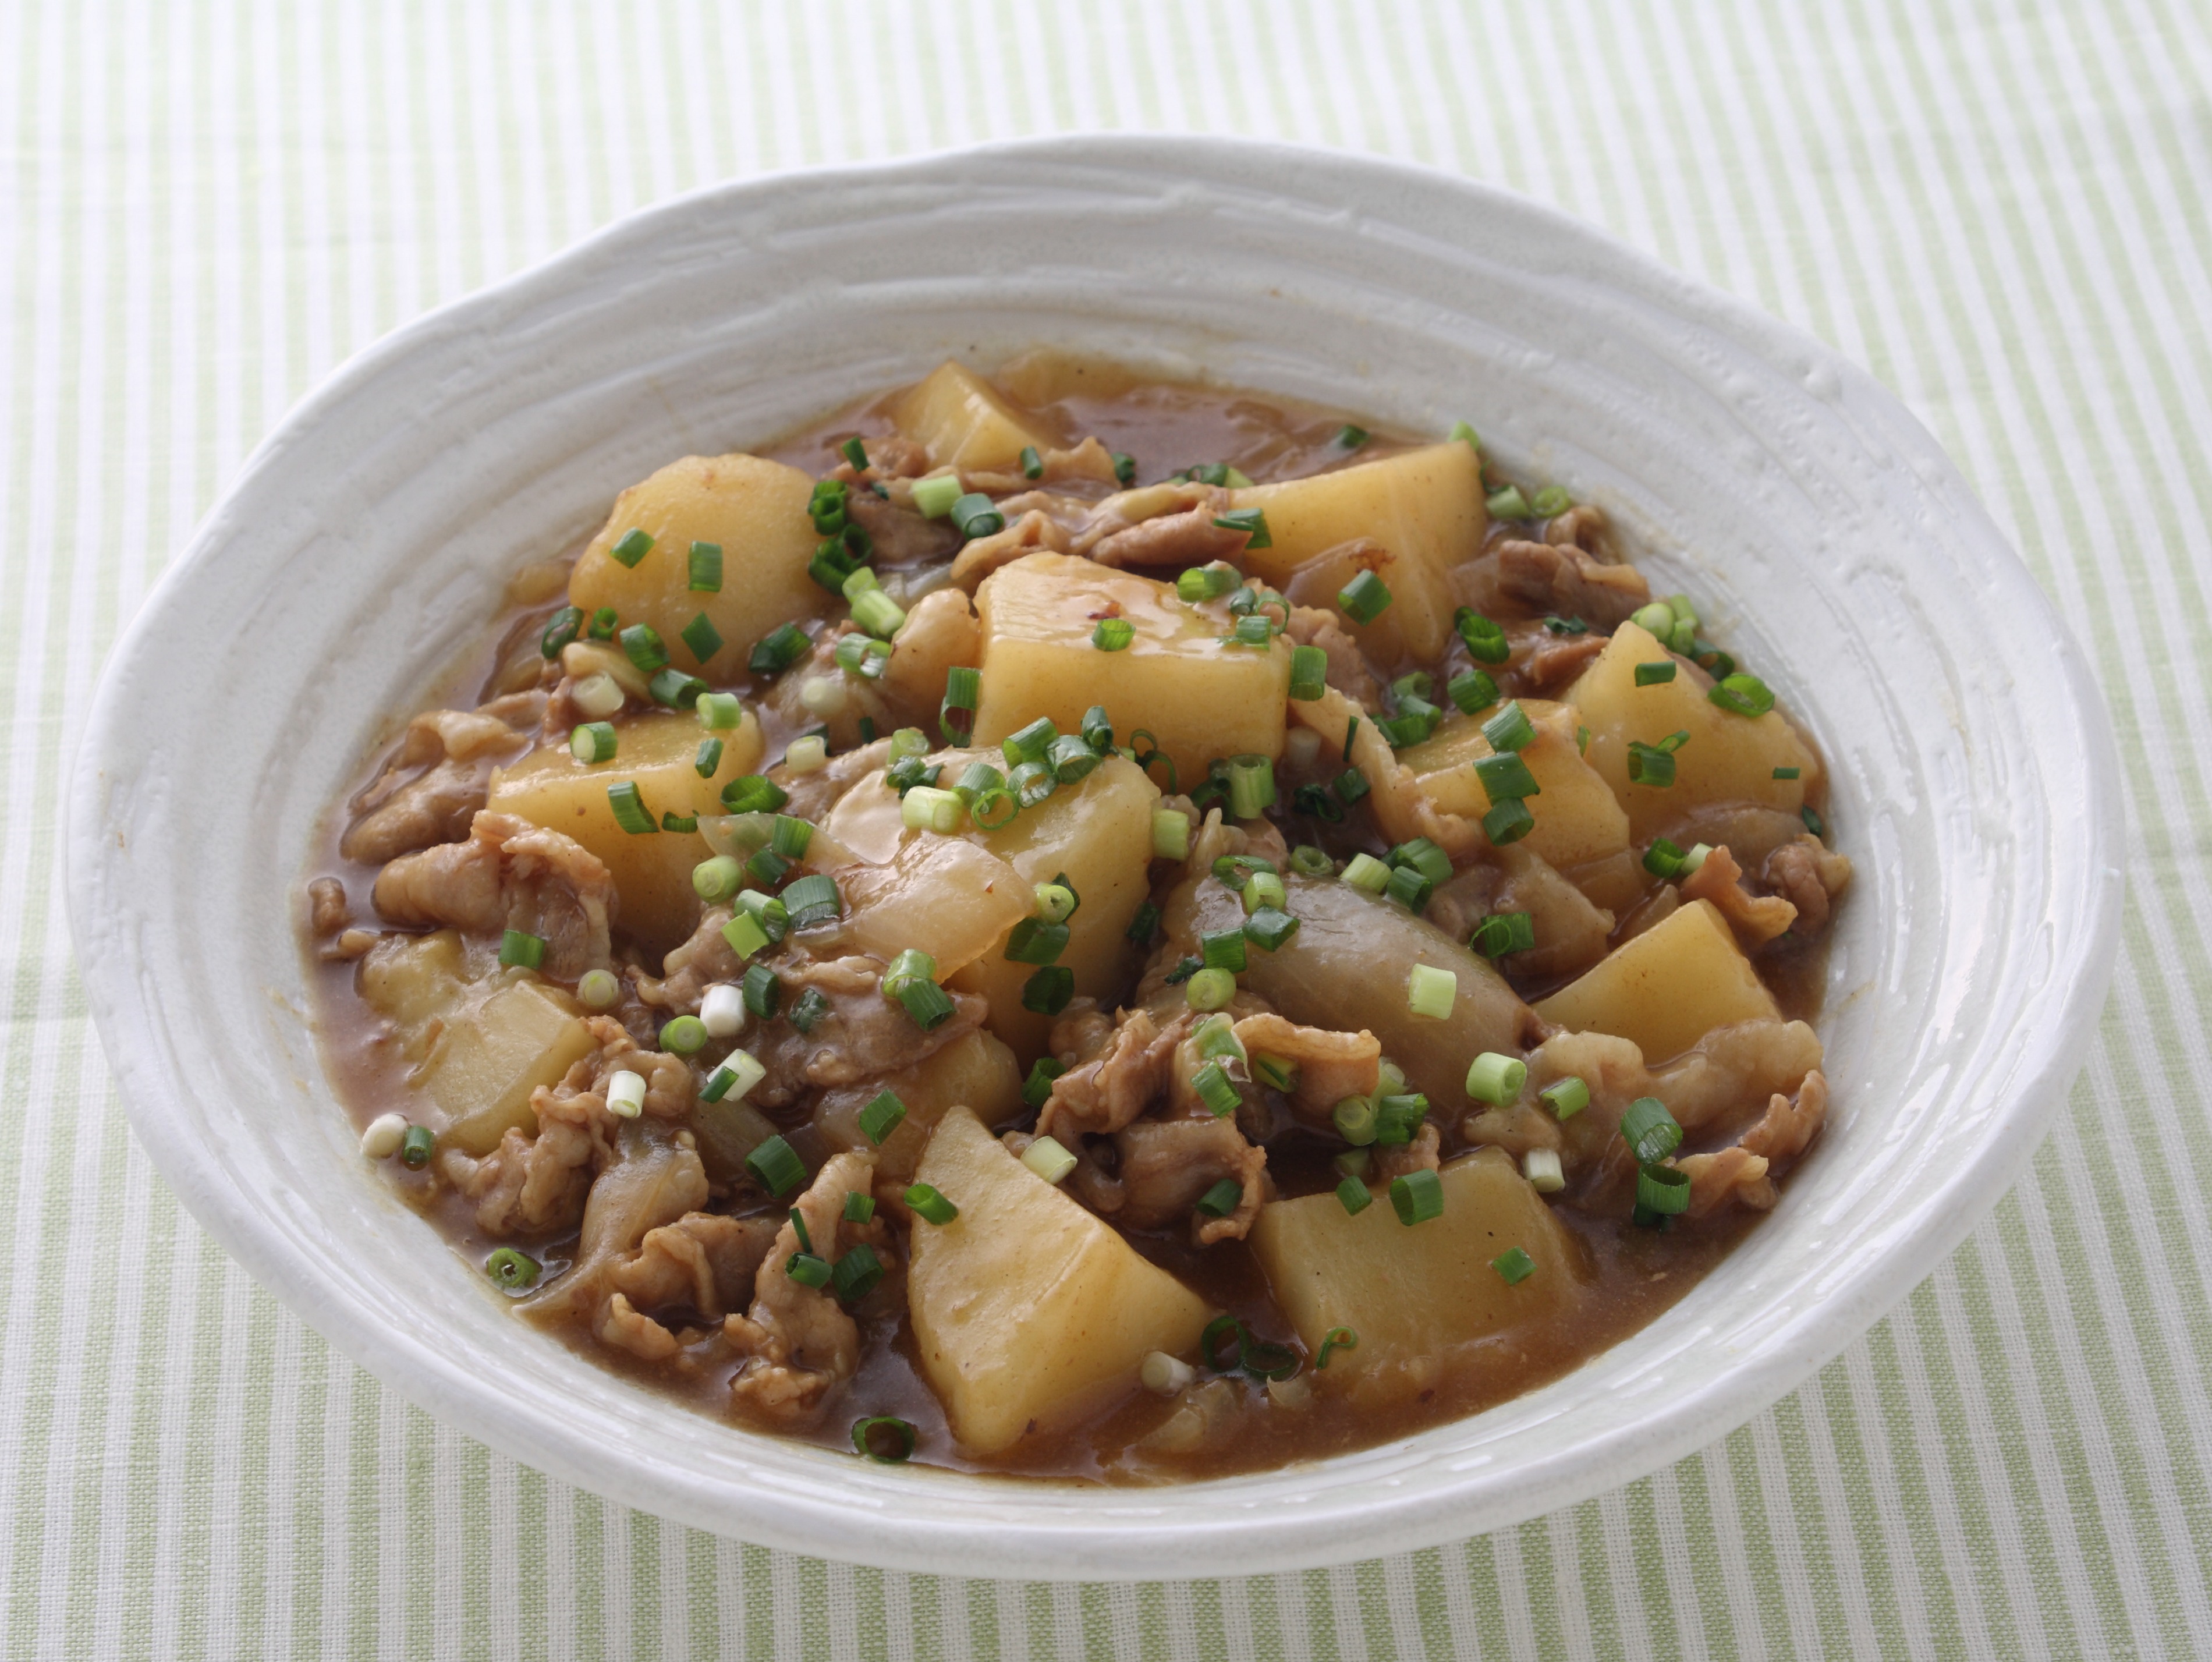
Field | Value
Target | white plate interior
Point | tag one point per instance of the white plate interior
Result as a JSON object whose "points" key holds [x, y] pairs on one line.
{"points": [[1831, 544]]}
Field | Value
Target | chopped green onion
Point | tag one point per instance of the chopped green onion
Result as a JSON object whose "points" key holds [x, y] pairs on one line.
{"points": [[1408, 888], [1472, 690], [703, 638], [1032, 463], [1308, 861], [775, 652], [1496, 1078], [1683, 638], [928, 1004], [1309, 672], [1277, 1073], [1418, 1196], [1056, 902], [836, 558], [925, 808], [975, 516], [630, 811], [1070, 758], [1037, 1089], [1430, 992], [929, 1205], [1787, 773], [1397, 1117], [1505, 932], [909, 966], [1566, 1097], [598, 990], [1366, 872], [1510, 729], [853, 452], [1205, 582], [813, 900], [805, 1268], [592, 741], [562, 627], [1251, 632], [807, 1011], [775, 1165], [857, 1274], [1513, 1266], [1343, 1338], [1364, 599], [860, 655], [1665, 859], [1656, 674], [1543, 1171], [1354, 1196], [1269, 927], [1251, 522], [715, 880], [1664, 1190], [642, 646], [766, 866], [1125, 468], [826, 506], [1032, 941], [602, 625], [740, 1072], [934, 496], [708, 762], [1048, 1159], [1031, 782], [1224, 1197], [1171, 834], [633, 546], [706, 568], [791, 837], [1209, 988], [878, 614], [1214, 1090], [1145, 924], [1425, 857], [1354, 1119], [1028, 744], [763, 991], [1745, 695], [859, 1208], [685, 1035], [1112, 634], [885, 1439], [1251, 786], [1811, 821], [1650, 1130], [1507, 504], [676, 690], [1047, 991], [519, 949], [1648, 764], [1484, 636], [754, 793], [1349, 437], [1551, 501], [882, 1116], [810, 754], [1506, 777], [1509, 822], [1264, 889], [1657, 618], [1351, 727], [718, 712], [1349, 786], [513, 1270], [1224, 949]]}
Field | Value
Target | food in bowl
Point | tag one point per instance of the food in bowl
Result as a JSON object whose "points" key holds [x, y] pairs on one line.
{"points": [[1087, 926]]}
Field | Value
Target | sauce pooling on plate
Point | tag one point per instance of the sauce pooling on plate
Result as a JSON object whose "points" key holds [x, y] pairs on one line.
{"points": [[1081, 927]]}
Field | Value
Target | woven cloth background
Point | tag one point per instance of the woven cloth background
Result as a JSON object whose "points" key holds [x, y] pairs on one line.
{"points": [[2001, 209]]}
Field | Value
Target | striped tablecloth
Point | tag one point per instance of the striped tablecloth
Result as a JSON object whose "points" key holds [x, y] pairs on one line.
{"points": [[2000, 210]]}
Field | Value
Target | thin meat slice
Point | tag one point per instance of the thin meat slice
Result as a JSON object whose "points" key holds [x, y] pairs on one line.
{"points": [[703, 1263], [1756, 919], [437, 778], [1164, 1168], [1331, 1066], [1107, 1092], [799, 1346], [510, 874], [1744, 1173], [1810, 875]]}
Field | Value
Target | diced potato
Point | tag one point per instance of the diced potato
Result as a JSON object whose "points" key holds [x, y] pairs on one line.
{"points": [[1412, 1293], [1728, 758], [1667, 987], [412, 981], [1424, 507], [962, 422], [1199, 698], [1577, 818], [941, 895], [1099, 832], [484, 1066], [755, 511], [1027, 1310], [975, 1072], [658, 751]]}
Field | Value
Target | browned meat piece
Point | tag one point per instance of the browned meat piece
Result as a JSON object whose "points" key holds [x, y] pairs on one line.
{"points": [[798, 1344], [1788, 1128], [328, 910], [1570, 932], [896, 457], [1331, 1066], [437, 778], [1810, 875], [940, 632], [1401, 1159], [510, 874], [863, 699], [1516, 1128], [1110, 518], [1165, 1166], [1347, 668], [622, 1327], [1105, 1093], [1035, 531], [1756, 919], [1586, 528], [1402, 810], [1744, 1171], [864, 1033], [1177, 539], [654, 1180], [1569, 583], [814, 795], [702, 1263], [1554, 661], [1752, 833], [1733, 1070], [1081, 1032], [901, 537], [693, 967], [1089, 463]]}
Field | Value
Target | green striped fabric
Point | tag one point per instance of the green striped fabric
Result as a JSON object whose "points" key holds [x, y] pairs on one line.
{"points": [[1999, 208]]}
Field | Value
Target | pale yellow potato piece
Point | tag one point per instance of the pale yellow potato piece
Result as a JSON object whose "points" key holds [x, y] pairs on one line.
{"points": [[1728, 758], [1412, 1293], [484, 1066], [754, 510], [975, 1072], [1200, 699], [1099, 832], [1424, 507], [658, 750], [1026, 1309], [1577, 818], [963, 422], [1667, 987], [412, 981]]}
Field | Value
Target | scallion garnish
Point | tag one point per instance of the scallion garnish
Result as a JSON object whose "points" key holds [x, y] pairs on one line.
{"points": [[633, 546], [1504, 932], [857, 1274], [974, 515], [602, 625], [1349, 437], [1037, 1089], [1269, 927], [1365, 872], [763, 991], [878, 614], [1224, 949], [706, 569], [859, 1208], [1566, 1097], [1364, 599], [1112, 634], [1208, 988], [1745, 695], [630, 811], [956, 716], [1418, 1196], [1484, 636], [813, 900], [1506, 776], [740, 1072], [807, 1269], [1496, 1078], [928, 1204], [1430, 992], [1656, 674], [1071, 758], [592, 741], [743, 933], [775, 1165], [808, 1010], [1397, 1117], [1787, 773], [1508, 822], [1354, 1196], [766, 866], [1408, 887], [1249, 520], [1509, 730], [1507, 504], [675, 689], [1650, 1130], [562, 627], [1222, 1199], [515, 1271], [856, 453], [684, 1035], [1048, 1159], [1514, 1265], [1472, 690], [1033, 941], [754, 793], [882, 1116], [1813, 822], [1047, 991], [641, 644], [1663, 1190], [1214, 1090], [1648, 764], [1309, 672], [778, 650], [520, 949]]}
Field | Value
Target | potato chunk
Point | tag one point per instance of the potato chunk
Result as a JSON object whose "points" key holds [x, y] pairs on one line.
{"points": [[963, 422], [1026, 1309], [413, 981], [1666, 988], [1425, 509], [940, 895], [1577, 818], [1728, 758], [484, 1065], [1412, 1293], [755, 511], [975, 1072], [658, 752], [1199, 698]]}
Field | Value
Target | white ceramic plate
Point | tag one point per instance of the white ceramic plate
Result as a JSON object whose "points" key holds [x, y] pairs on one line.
{"points": [[1831, 541]]}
